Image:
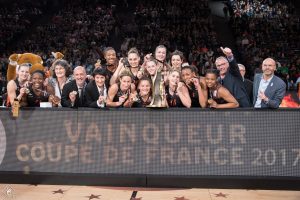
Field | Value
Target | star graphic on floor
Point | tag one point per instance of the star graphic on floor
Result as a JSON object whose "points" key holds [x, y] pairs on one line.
{"points": [[93, 196], [180, 198], [221, 195], [60, 191]]}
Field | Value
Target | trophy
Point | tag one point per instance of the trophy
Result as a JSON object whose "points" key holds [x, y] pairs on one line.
{"points": [[15, 108], [158, 91]]}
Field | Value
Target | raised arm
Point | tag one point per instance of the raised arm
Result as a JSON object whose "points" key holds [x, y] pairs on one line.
{"points": [[130, 100], [115, 76], [11, 92], [111, 94], [233, 67]]}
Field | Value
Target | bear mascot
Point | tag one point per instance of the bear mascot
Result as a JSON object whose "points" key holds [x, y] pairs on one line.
{"points": [[35, 61]]}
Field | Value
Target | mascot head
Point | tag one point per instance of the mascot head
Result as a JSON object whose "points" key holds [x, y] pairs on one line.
{"points": [[57, 55], [34, 61]]}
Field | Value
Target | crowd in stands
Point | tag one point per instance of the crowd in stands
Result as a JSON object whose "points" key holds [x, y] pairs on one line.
{"points": [[265, 28], [183, 25], [78, 29], [15, 18]]}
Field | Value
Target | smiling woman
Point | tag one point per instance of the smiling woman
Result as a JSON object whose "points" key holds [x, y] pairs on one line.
{"points": [[37, 91], [144, 93], [177, 94], [17, 89], [61, 71], [219, 96], [131, 63], [119, 94], [96, 90]]}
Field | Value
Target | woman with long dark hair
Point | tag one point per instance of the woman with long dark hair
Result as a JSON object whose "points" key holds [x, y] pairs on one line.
{"points": [[131, 64], [118, 93]]}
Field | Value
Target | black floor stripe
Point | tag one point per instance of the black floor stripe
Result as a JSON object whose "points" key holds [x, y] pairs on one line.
{"points": [[134, 193]]}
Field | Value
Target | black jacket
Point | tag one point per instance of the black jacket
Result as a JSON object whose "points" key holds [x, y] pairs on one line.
{"points": [[249, 88], [65, 100], [92, 94], [233, 82]]}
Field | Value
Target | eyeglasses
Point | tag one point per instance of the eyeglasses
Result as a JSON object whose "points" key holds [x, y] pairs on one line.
{"points": [[219, 65]]}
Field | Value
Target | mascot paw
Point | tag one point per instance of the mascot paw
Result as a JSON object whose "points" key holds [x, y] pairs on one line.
{"points": [[13, 59]]}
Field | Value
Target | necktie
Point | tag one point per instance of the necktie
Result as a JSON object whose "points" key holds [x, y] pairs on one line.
{"points": [[80, 92], [81, 96], [220, 80]]}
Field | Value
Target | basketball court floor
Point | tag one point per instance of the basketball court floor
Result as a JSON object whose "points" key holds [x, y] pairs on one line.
{"points": [[69, 192]]}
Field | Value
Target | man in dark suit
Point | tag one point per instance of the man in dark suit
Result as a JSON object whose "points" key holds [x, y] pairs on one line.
{"points": [[247, 82], [96, 90], [268, 89], [231, 78], [73, 95]]}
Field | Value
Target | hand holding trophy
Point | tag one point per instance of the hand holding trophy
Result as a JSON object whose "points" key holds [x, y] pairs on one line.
{"points": [[158, 92]]}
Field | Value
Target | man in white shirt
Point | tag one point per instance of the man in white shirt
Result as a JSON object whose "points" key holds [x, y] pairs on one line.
{"points": [[268, 89]]}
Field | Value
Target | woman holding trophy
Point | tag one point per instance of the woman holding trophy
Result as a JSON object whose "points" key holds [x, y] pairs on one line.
{"points": [[154, 72]]}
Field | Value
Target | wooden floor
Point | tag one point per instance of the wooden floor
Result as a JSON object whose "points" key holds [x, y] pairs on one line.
{"points": [[67, 192]]}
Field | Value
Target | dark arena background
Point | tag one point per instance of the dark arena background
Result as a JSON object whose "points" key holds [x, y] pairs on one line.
{"points": [[241, 148]]}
